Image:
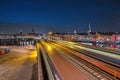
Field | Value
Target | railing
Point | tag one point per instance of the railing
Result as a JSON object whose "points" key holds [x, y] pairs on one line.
{"points": [[51, 69]]}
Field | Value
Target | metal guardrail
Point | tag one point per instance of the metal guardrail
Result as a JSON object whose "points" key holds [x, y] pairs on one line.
{"points": [[39, 63], [51, 69]]}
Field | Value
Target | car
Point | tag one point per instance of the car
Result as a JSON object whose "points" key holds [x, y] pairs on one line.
{"points": [[4, 51], [7, 50]]}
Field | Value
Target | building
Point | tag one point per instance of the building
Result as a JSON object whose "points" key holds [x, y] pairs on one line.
{"points": [[115, 38]]}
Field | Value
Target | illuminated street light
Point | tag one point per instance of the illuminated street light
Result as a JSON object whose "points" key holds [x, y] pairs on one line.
{"points": [[49, 35]]}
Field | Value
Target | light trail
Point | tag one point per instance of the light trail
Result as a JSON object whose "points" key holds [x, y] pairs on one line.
{"points": [[117, 57], [92, 61]]}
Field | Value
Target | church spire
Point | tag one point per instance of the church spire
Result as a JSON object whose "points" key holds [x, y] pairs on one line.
{"points": [[33, 31], [89, 28], [20, 31], [75, 31]]}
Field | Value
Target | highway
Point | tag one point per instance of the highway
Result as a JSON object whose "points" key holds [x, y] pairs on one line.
{"points": [[106, 63], [67, 59], [64, 67], [115, 58]]}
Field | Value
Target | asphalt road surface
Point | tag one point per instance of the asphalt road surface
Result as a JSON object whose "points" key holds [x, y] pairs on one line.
{"points": [[65, 68]]}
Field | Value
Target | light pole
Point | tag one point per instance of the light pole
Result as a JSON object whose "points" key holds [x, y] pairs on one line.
{"points": [[49, 34]]}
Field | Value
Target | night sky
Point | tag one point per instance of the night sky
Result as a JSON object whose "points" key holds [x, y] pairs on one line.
{"points": [[59, 15]]}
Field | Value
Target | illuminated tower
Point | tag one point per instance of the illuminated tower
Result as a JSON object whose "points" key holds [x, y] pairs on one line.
{"points": [[20, 31], [89, 30], [33, 31], [75, 31]]}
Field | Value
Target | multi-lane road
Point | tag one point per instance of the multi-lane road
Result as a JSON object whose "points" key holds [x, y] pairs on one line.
{"points": [[76, 62], [67, 70]]}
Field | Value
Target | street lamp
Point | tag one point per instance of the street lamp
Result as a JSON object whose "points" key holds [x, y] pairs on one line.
{"points": [[49, 34]]}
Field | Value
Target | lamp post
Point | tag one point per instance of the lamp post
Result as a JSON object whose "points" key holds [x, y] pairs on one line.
{"points": [[49, 34]]}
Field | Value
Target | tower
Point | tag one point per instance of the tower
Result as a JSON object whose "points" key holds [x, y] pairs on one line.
{"points": [[20, 31], [33, 31], [75, 31], [89, 29]]}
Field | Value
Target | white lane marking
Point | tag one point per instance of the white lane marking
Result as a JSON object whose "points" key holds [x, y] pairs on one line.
{"points": [[99, 76], [104, 79], [95, 73], [91, 71]]}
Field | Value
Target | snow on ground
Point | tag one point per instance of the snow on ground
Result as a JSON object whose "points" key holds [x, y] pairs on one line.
{"points": [[16, 66]]}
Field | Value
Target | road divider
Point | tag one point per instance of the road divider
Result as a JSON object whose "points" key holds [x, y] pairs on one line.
{"points": [[51, 70]]}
